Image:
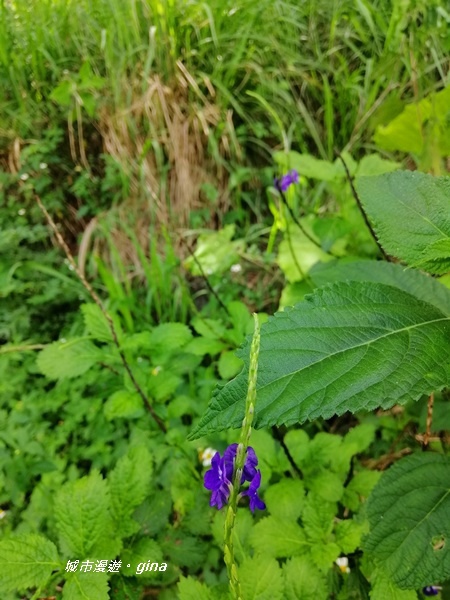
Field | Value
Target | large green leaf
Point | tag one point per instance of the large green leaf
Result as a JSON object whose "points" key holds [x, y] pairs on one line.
{"points": [[348, 347], [68, 358], [82, 515], [410, 212], [409, 514], [26, 561]]}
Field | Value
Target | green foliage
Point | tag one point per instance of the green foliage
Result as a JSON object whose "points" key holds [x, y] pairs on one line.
{"points": [[410, 214], [82, 517], [27, 561], [333, 337], [68, 358], [408, 512]]}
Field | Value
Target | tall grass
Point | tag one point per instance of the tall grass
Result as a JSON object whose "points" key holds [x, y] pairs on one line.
{"points": [[183, 93]]}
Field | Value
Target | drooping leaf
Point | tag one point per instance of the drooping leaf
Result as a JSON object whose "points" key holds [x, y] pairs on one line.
{"points": [[348, 347], [68, 359], [410, 212], [261, 579], [26, 561], [409, 514]]}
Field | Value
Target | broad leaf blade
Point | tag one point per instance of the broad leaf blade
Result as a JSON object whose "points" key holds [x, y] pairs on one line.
{"points": [[409, 514], [348, 347], [27, 561], [410, 212]]}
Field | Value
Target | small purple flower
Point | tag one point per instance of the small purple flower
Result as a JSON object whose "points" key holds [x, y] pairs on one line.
{"points": [[216, 481], [252, 493], [431, 590], [219, 478], [283, 183]]}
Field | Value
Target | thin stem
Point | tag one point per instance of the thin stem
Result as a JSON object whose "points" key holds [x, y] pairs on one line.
{"points": [[105, 313], [204, 276], [361, 208]]}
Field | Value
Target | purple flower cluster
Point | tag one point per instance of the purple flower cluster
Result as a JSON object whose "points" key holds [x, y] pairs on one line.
{"points": [[283, 183], [219, 478]]}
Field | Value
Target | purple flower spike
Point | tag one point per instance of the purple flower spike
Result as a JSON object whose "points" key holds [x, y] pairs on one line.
{"points": [[252, 493], [286, 180], [431, 590], [219, 478]]}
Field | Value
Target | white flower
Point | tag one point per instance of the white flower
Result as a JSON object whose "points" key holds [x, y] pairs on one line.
{"points": [[2, 514], [43, 165], [156, 370], [236, 268], [24, 176], [205, 456], [21, 212], [342, 563]]}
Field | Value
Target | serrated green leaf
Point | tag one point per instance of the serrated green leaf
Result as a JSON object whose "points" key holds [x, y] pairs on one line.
{"points": [[348, 534], [265, 537], [409, 514], [303, 580], [86, 586], [191, 589], [96, 323], [68, 359], [285, 499], [318, 518], [347, 347], [385, 589], [129, 483], [26, 561], [410, 212], [123, 404], [82, 515], [324, 555], [261, 579]]}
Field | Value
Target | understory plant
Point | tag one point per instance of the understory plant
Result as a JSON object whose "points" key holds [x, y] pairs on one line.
{"points": [[377, 336]]}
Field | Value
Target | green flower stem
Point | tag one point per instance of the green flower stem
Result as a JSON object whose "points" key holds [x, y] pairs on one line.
{"points": [[246, 430]]}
